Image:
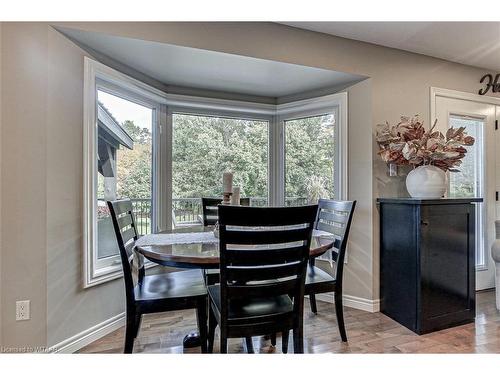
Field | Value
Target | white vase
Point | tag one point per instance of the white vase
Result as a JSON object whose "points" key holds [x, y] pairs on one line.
{"points": [[426, 181]]}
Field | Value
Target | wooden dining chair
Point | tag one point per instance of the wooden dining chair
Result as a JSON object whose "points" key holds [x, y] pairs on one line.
{"points": [[245, 201], [335, 218], [263, 261], [209, 210], [147, 294]]}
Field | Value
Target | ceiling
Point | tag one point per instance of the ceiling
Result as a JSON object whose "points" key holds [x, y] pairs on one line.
{"points": [[471, 43], [210, 70]]}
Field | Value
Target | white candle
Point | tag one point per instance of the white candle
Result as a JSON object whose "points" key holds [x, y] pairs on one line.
{"points": [[235, 198], [227, 182]]}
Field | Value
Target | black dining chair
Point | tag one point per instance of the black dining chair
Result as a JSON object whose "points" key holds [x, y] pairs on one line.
{"points": [[334, 217], [209, 210], [245, 201], [153, 293], [263, 261], [210, 217]]}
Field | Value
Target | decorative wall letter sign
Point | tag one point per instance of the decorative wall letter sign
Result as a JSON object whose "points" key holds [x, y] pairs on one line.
{"points": [[490, 84]]}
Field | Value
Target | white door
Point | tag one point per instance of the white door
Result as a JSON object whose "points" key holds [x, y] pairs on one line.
{"points": [[477, 173]]}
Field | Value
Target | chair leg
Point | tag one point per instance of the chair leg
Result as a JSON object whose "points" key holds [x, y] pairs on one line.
{"points": [[298, 340], [312, 302], [273, 339], [223, 341], [201, 315], [138, 320], [212, 323], [249, 344], [130, 332], [339, 311], [284, 342], [312, 297]]}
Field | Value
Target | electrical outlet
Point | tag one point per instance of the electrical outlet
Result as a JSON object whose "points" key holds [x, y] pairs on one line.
{"points": [[22, 310]]}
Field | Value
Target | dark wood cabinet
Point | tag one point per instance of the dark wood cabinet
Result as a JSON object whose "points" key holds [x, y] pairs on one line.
{"points": [[427, 262]]}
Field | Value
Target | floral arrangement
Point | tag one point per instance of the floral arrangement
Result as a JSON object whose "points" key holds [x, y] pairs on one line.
{"points": [[409, 143]]}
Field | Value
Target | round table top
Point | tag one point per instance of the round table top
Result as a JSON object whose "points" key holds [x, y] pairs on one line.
{"points": [[205, 255]]}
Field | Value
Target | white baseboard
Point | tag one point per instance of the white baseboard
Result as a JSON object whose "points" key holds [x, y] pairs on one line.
{"points": [[78, 341], [353, 302]]}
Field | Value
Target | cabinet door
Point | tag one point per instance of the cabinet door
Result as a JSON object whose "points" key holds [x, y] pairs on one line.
{"points": [[398, 263], [447, 265]]}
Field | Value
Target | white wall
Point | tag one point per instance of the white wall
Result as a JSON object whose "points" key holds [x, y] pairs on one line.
{"points": [[24, 81], [41, 150], [360, 254], [70, 309]]}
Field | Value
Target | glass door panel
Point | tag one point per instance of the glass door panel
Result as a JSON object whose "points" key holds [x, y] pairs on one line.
{"points": [[469, 182]]}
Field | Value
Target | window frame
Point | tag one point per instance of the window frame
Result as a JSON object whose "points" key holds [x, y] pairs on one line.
{"points": [[236, 114], [99, 77], [481, 240], [335, 104]]}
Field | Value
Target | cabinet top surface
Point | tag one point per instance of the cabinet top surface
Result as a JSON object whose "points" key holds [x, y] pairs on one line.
{"points": [[429, 201]]}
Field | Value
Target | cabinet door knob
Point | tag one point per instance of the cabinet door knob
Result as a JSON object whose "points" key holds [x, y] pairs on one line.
{"points": [[424, 222]]}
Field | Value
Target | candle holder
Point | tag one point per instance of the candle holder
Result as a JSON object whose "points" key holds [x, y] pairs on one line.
{"points": [[226, 198]]}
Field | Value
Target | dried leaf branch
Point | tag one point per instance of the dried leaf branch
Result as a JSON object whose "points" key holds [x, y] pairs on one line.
{"points": [[408, 143]]}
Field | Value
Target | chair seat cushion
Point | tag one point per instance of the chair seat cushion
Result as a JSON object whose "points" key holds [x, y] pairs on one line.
{"points": [[249, 308], [171, 285], [316, 275]]}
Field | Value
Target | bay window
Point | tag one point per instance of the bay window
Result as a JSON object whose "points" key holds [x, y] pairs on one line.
{"points": [[166, 151]]}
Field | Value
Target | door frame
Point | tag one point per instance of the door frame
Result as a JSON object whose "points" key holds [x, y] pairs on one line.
{"points": [[489, 201]]}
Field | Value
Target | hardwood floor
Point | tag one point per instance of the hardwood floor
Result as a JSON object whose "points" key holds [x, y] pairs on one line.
{"points": [[367, 333]]}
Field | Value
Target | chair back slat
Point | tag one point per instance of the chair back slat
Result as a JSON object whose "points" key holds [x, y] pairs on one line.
{"points": [[281, 216], [126, 234], [244, 274], [129, 234], [259, 236], [209, 210], [125, 221], [338, 232], [245, 201], [122, 206], [281, 287], [264, 251], [251, 257], [335, 217]]}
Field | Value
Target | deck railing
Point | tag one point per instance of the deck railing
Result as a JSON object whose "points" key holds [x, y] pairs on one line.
{"points": [[142, 213], [187, 211]]}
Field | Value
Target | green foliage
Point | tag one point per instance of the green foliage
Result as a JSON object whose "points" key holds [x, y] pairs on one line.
{"points": [[140, 136], [309, 153], [205, 147], [134, 166]]}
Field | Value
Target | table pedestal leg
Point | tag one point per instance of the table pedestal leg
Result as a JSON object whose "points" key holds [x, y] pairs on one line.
{"points": [[249, 344], [191, 340]]}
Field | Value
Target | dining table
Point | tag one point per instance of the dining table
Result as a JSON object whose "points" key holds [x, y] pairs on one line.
{"points": [[197, 246]]}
